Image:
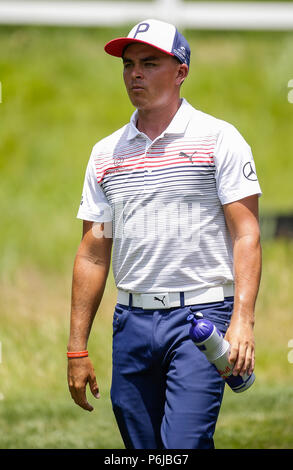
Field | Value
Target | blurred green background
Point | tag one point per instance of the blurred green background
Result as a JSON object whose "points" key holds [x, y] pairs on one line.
{"points": [[60, 94]]}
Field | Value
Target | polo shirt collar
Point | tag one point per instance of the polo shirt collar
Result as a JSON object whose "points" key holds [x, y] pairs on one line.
{"points": [[177, 125]]}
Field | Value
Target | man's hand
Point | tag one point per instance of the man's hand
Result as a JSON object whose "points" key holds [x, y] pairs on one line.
{"points": [[241, 338], [80, 372]]}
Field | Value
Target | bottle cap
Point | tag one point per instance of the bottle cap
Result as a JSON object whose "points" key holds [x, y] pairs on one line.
{"points": [[201, 329]]}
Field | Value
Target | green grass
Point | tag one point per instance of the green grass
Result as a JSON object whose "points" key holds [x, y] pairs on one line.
{"points": [[61, 94], [260, 419]]}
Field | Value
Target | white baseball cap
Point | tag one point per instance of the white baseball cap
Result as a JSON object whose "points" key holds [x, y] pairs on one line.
{"points": [[161, 35]]}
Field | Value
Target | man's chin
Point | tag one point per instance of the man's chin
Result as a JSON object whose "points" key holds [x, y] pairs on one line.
{"points": [[139, 101]]}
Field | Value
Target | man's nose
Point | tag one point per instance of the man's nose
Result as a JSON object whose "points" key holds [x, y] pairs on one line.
{"points": [[137, 71]]}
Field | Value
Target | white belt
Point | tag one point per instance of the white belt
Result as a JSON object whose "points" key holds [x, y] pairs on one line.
{"points": [[175, 299]]}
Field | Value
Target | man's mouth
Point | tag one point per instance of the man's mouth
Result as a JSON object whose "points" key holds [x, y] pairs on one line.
{"points": [[137, 87]]}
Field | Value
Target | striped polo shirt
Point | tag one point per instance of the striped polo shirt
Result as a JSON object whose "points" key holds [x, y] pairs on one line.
{"points": [[164, 198]]}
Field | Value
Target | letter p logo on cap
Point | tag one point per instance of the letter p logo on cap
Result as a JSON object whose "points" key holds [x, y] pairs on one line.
{"points": [[141, 28]]}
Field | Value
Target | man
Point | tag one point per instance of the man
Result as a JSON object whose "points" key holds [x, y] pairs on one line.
{"points": [[179, 189]]}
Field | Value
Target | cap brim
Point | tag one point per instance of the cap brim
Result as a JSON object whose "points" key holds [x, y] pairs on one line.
{"points": [[117, 46]]}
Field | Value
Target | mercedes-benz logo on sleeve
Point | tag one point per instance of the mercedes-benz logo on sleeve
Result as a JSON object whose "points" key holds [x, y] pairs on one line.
{"points": [[249, 172]]}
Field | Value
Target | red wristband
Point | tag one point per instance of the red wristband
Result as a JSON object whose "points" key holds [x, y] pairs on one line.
{"points": [[78, 354]]}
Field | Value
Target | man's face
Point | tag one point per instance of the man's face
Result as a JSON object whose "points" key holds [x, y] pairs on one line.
{"points": [[152, 78]]}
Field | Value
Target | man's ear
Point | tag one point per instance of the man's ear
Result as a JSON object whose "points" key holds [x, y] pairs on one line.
{"points": [[181, 74]]}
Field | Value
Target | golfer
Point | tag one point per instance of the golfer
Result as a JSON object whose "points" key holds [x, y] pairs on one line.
{"points": [[172, 197]]}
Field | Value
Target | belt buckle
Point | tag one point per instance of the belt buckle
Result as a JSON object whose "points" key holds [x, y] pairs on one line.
{"points": [[155, 301]]}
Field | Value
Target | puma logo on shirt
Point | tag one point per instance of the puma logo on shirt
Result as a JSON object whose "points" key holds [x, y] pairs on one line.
{"points": [[183, 154]]}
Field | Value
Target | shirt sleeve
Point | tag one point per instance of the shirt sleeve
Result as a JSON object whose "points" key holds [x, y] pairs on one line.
{"points": [[94, 205], [236, 176]]}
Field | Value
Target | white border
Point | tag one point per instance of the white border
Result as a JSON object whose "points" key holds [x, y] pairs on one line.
{"points": [[199, 15]]}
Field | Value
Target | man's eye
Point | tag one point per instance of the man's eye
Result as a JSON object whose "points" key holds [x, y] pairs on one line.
{"points": [[127, 65], [150, 64]]}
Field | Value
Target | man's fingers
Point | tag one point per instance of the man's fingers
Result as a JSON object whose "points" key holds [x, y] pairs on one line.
{"points": [[79, 396], [94, 386], [251, 369], [240, 359], [233, 354], [248, 365], [244, 359]]}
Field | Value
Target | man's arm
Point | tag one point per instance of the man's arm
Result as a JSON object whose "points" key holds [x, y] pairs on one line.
{"points": [[91, 267], [242, 221]]}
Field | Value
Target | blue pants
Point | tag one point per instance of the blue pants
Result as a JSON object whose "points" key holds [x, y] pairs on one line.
{"points": [[165, 394]]}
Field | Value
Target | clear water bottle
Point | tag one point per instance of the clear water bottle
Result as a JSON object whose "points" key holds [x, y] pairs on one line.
{"points": [[211, 342]]}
